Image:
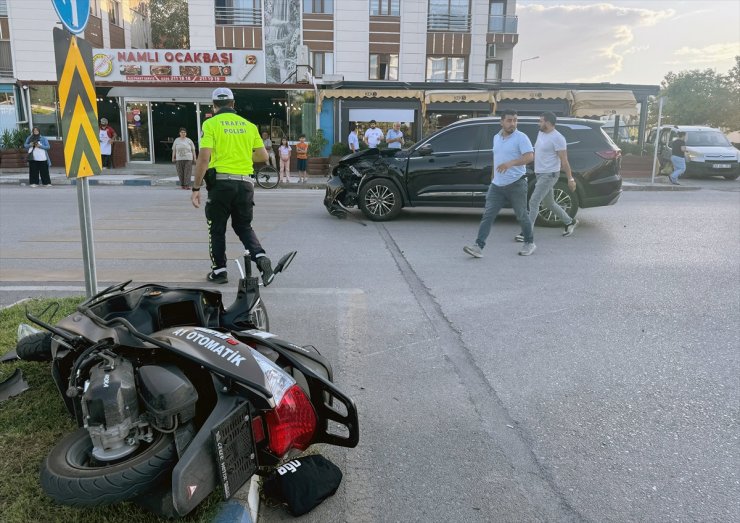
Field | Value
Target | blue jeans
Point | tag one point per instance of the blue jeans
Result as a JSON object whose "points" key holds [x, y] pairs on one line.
{"points": [[543, 194], [497, 197], [679, 167]]}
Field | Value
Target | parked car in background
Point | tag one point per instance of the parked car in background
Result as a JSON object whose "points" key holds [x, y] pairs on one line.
{"points": [[453, 168], [708, 151]]}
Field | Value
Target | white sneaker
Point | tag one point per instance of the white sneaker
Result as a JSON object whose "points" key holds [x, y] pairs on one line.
{"points": [[570, 227], [527, 249], [473, 250], [34, 185], [519, 238]]}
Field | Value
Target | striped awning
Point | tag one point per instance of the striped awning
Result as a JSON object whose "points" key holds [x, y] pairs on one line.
{"points": [[601, 103], [458, 96], [534, 94], [370, 93]]}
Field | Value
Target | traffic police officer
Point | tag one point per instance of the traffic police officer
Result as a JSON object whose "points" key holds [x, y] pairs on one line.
{"points": [[230, 144]]}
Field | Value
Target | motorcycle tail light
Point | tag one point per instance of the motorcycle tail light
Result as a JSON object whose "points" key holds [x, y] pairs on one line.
{"points": [[292, 423], [258, 430]]}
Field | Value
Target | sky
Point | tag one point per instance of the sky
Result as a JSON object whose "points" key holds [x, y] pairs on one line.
{"points": [[624, 41]]}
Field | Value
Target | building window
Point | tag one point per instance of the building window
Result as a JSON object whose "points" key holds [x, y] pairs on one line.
{"points": [[318, 6], [6, 60], [322, 63], [3, 7], [493, 70], [94, 8], [44, 109], [238, 12], [449, 15], [446, 69], [383, 67], [385, 7], [114, 12], [498, 22]]}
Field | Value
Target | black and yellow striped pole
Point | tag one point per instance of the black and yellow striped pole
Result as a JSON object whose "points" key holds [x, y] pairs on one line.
{"points": [[79, 111]]}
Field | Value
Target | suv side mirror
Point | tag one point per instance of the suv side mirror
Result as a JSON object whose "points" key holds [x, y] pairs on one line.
{"points": [[425, 150]]}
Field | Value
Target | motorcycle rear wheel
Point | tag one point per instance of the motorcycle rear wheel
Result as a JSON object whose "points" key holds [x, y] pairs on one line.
{"points": [[70, 478]]}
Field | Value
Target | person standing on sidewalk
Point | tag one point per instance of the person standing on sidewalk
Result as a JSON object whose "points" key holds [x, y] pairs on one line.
{"points": [[512, 151], [354, 143], [38, 158], [550, 156], [106, 135], [284, 151], [394, 137], [268, 147], [230, 145], [678, 158], [301, 153], [183, 155], [373, 136]]}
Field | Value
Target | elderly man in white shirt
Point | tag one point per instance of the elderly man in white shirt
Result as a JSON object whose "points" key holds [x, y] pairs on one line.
{"points": [[394, 137]]}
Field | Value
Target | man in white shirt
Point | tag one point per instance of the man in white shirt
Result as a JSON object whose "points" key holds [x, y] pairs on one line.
{"points": [[394, 137], [550, 155], [354, 143], [373, 136]]}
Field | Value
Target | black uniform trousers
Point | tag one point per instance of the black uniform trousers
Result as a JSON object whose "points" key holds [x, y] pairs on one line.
{"points": [[235, 199]]}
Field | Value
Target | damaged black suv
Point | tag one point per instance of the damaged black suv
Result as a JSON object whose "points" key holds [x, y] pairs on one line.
{"points": [[453, 167]]}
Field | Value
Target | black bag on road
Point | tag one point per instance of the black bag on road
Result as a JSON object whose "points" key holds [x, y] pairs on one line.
{"points": [[303, 483]]}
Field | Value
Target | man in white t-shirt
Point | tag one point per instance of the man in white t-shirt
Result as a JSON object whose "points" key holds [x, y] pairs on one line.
{"points": [[550, 156], [373, 136], [354, 143]]}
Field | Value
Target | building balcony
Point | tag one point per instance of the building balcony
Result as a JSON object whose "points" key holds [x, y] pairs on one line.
{"points": [[448, 23], [502, 24], [238, 16]]}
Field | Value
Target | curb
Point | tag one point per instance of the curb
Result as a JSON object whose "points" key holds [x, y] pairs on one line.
{"points": [[243, 507], [657, 188]]}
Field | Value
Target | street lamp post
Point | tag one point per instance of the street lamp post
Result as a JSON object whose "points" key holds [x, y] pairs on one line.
{"points": [[520, 65]]}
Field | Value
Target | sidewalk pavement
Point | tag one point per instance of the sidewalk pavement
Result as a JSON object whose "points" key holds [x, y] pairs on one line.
{"points": [[163, 175], [149, 175]]}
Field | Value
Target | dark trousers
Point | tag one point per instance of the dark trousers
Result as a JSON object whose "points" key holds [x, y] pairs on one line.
{"points": [[105, 160], [236, 199], [35, 169]]}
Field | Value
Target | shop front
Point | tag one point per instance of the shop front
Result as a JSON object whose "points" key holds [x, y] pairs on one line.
{"points": [[147, 96], [360, 106], [442, 108], [534, 102]]}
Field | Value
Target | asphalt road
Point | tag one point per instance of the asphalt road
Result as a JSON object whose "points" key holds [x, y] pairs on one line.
{"points": [[596, 380]]}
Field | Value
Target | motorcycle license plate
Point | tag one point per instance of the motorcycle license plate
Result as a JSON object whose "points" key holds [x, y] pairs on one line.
{"points": [[233, 446], [721, 165]]}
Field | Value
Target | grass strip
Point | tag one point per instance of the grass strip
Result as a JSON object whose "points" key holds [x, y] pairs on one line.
{"points": [[30, 425]]}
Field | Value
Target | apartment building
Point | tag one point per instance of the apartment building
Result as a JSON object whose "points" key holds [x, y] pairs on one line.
{"points": [[278, 55], [294, 65]]}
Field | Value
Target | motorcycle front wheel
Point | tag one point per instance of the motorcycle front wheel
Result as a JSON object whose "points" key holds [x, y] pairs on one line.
{"points": [[70, 475]]}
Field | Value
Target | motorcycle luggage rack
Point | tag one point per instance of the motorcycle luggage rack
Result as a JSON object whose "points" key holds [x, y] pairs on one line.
{"points": [[233, 447]]}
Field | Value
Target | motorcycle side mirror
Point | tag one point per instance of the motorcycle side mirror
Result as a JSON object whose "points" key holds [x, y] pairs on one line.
{"points": [[284, 262]]}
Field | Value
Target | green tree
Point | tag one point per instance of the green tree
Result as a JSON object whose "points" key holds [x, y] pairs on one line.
{"points": [[170, 25], [695, 97]]}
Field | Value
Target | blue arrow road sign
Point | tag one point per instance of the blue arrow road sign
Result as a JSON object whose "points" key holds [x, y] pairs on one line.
{"points": [[73, 14]]}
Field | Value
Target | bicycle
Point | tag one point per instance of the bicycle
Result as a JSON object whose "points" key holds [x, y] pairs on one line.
{"points": [[267, 177]]}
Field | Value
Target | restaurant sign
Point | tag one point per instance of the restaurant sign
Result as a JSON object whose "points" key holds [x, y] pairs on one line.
{"points": [[179, 66]]}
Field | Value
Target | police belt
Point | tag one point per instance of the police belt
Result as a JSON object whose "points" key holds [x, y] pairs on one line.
{"points": [[235, 177]]}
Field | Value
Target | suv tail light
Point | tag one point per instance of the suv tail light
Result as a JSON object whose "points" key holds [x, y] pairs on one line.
{"points": [[292, 423], [610, 154]]}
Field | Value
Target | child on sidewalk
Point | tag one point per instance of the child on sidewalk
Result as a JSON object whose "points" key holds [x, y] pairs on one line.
{"points": [[284, 152], [301, 149]]}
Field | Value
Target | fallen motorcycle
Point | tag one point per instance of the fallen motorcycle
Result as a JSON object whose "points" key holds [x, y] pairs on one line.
{"points": [[176, 396]]}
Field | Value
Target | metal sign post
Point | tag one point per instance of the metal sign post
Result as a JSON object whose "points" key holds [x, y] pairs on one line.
{"points": [[657, 139], [78, 105]]}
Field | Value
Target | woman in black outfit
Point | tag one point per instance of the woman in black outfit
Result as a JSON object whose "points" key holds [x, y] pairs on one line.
{"points": [[38, 158]]}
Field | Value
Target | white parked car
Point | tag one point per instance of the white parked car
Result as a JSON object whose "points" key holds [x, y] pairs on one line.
{"points": [[708, 151]]}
